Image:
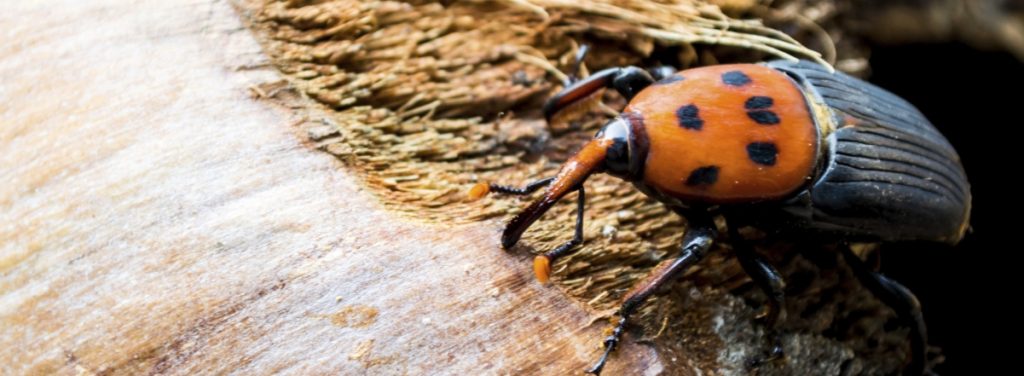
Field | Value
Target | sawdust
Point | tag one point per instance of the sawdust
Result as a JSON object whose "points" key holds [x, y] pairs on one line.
{"points": [[362, 353], [357, 316], [362, 350]]}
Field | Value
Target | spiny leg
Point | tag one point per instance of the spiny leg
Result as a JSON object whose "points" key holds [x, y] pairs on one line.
{"points": [[482, 189], [770, 281], [577, 63], [696, 243], [901, 300], [525, 190], [658, 73], [542, 263], [626, 80]]}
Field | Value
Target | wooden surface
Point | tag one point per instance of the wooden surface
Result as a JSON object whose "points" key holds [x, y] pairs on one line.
{"points": [[156, 218]]}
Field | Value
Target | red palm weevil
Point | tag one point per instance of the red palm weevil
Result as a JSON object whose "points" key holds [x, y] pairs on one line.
{"points": [[786, 147]]}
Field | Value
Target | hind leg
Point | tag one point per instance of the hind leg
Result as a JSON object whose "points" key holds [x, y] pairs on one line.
{"points": [[901, 300], [770, 281]]}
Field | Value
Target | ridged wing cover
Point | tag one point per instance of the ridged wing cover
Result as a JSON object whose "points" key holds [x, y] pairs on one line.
{"points": [[890, 174]]}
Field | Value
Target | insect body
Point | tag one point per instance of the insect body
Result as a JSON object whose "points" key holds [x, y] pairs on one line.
{"points": [[782, 146]]}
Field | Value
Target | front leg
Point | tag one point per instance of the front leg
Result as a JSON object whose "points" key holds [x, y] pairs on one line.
{"points": [[542, 263], [626, 80], [699, 237], [481, 189]]}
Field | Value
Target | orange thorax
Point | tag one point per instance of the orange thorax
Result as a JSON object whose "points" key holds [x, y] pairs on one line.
{"points": [[727, 133]]}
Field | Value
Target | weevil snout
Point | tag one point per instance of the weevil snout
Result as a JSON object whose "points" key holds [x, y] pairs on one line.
{"points": [[570, 178], [613, 150]]}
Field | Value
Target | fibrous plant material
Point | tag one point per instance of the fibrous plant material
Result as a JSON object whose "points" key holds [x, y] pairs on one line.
{"points": [[427, 98]]}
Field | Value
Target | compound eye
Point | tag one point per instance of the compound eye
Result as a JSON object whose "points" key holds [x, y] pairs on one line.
{"points": [[617, 157]]}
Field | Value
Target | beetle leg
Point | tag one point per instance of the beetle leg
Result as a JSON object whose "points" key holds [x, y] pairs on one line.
{"points": [[525, 190], [901, 300], [581, 53], [696, 243], [768, 279], [542, 264], [481, 189], [626, 80]]}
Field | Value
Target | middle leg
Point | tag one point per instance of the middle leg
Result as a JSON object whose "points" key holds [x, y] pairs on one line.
{"points": [[626, 80], [768, 280], [902, 301], [696, 243]]}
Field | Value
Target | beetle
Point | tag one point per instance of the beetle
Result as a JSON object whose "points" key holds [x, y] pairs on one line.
{"points": [[786, 147]]}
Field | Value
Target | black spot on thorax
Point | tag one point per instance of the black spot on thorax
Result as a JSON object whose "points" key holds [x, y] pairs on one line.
{"points": [[689, 117], [735, 78], [763, 153], [703, 177], [758, 102], [764, 117], [759, 110]]}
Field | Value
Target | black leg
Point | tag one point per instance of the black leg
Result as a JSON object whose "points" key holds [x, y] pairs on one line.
{"points": [[529, 188], [542, 264], [901, 300], [659, 73], [626, 80], [768, 279], [699, 237], [581, 54]]}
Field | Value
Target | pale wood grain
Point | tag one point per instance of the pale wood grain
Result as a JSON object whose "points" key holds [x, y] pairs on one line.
{"points": [[155, 218]]}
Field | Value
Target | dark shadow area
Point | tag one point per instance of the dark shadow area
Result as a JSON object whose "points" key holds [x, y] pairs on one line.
{"points": [[968, 291]]}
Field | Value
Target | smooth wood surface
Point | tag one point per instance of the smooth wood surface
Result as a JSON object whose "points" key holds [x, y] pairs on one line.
{"points": [[156, 218]]}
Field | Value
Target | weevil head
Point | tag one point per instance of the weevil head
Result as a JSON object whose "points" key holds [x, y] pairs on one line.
{"points": [[627, 147], [612, 150]]}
